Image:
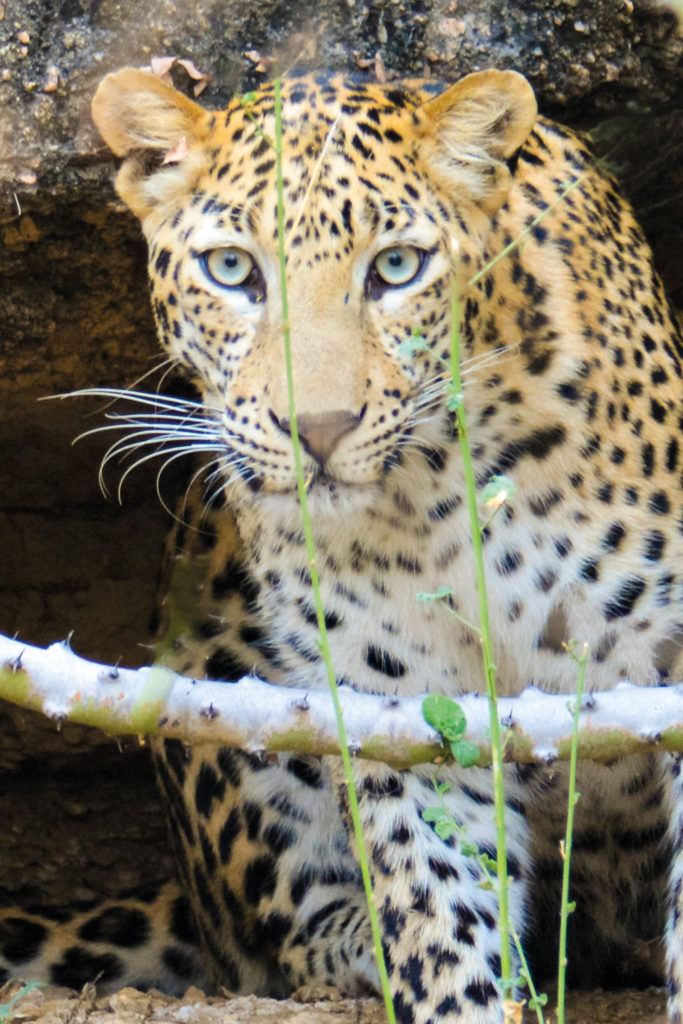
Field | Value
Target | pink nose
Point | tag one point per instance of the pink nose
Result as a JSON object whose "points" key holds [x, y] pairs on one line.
{"points": [[320, 433]]}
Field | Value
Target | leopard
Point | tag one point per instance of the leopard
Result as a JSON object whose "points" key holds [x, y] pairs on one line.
{"points": [[410, 212]]}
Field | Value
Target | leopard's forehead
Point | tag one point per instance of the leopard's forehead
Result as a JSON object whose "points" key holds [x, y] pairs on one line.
{"points": [[320, 100], [350, 152]]}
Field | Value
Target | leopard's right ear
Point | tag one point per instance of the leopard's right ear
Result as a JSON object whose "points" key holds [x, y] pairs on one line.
{"points": [[157, 130]]}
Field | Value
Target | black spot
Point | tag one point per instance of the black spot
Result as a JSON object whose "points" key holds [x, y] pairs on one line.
{"points": [[626, 597], [306, 771], [538, 445], [589, 570], [401, 834], [276, 928], [411, 971], [435, 459], [301, 883], [541, 504], [563, 546], [476, 795], [448, 1005], [648, 458], [655, 542], [20, 939], [389, 784], [639, 839], [481, 992], [252, 815], [659, 503], [382, 661], [402, 1010], [183, 925], [322, 914], [178, 962], [359, 145], [279, 837], [176, 758], [614, 536], [207, 789], [509, 563], [226, 760], [225, 666], [122, 926], [210, 862], [162, 261], [260, 878], [77, 967], [442, 869], [234, 578], [393, 921]]}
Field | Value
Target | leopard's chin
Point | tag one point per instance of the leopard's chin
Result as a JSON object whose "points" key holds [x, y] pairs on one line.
{"points": [[326, 498]]}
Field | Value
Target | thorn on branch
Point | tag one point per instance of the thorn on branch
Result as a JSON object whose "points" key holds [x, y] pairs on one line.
{"points": [[209, 711], [14, 664], [302, 704]]}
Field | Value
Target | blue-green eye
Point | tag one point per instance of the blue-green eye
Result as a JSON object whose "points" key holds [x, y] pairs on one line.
{"points": [[228, 266], [398, 264]]}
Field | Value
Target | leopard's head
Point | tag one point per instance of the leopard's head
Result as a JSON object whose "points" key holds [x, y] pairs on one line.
{"points": [[387, 196]]}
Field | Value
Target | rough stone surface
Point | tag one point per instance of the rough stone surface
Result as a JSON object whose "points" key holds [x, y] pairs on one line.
{"points": [[60, 1006]]}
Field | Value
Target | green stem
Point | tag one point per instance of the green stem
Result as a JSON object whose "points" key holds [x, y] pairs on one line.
{"points": [[315, 581], [573, 796], [487, 649]]}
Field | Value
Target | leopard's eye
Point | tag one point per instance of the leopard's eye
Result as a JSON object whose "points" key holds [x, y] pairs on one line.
{"points": [[398, 264], [228, 266]]}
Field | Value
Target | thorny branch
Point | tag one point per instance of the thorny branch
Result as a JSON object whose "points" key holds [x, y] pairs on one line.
{"points": [[258, 716]]}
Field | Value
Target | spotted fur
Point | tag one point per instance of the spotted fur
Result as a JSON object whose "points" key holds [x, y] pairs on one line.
{"points": [[572, 387]]}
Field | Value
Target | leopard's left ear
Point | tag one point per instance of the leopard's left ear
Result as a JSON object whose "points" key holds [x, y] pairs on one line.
{"points": [[475, 126]]}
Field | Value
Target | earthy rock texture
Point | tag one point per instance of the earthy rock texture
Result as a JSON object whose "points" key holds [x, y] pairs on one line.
{"points": [[59, 1006]]}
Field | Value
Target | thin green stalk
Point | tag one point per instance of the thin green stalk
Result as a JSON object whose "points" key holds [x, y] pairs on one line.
{"points": [[565, 907], [315, 581], [537, 1000], [487, 649], [516, 242]]}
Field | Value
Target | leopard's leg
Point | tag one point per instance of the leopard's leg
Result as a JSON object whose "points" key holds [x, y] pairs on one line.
{"points": [[619, 867], [674, 924], [438, 916], [265, 858]]}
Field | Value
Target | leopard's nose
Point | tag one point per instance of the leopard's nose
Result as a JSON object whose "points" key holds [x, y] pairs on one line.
{"points": [[320, 433]]}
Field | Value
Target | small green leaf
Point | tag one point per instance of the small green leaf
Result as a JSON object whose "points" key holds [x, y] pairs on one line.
{"points": [[432, 813], [538, 1002], [468, 849], [416, 343], [248, 97], [454, 400], [465, 752], [445, 715], [497, 490], [438, 595], [444, 829], [571, 907]]}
